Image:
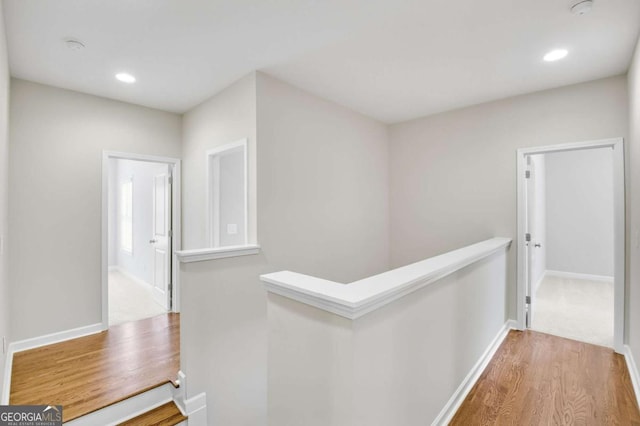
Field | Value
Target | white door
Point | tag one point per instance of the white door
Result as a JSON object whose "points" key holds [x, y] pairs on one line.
{"points": [[161, 240], [531, 237]]}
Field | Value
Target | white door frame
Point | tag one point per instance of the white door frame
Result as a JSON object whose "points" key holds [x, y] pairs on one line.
{"points": [[617, 144], [174, 163]]}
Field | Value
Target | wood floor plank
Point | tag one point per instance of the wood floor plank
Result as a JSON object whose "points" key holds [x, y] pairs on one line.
{"points": [[92, 372], [539, 379], [165, 415]]}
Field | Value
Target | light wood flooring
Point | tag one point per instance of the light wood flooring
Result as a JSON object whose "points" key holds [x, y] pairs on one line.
{"points": [[92, 372], [540, 379]]}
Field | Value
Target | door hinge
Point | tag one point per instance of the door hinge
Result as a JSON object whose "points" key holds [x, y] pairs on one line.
{"points": [[528, 300], [170, 180], [527, 237], [527, 174], [170, 233]]}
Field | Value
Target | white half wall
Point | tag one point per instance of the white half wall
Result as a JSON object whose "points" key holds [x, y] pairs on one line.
{"points": [[453, 175], [579, 187], [5, 305], [323, 209], [633, 208], [56, 142]]}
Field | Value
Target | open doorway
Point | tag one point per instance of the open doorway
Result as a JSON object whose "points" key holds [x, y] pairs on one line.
{"points": [[139, 237], [571, 259]]}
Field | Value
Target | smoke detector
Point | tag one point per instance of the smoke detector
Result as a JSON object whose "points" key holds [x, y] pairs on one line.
{"points": [[74, 45], [582, 7]]}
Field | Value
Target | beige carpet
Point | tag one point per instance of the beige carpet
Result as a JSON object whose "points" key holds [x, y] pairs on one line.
{"points": [[576, 309], [130, 300]]}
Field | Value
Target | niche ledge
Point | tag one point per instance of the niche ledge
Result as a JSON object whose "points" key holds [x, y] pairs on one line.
{"points": [[201, 255]]}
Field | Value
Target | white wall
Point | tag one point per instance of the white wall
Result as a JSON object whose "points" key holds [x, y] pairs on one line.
{"points": [[633, 208], [139, 262], [580, 211], [453, 175], [323, 208], [56, 142], [227, 117], [4, 194]]}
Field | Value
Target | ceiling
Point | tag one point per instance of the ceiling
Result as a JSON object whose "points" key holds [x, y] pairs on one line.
{"points": [[393, 60]]}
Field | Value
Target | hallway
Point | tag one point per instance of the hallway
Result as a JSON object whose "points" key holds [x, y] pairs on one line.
{"points": [[540, 379], [92, 372]]}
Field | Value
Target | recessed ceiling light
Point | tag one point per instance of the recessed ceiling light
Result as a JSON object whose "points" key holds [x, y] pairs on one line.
{"points": [[555, 55], [582, 7], [75, 45], [125, 77]]}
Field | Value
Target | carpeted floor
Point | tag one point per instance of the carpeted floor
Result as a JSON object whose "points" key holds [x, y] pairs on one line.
{"points": [[576, 309], [130, 300]]}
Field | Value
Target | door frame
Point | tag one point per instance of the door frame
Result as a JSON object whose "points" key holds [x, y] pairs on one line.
{"points": [[617, 144], [174, 164]]}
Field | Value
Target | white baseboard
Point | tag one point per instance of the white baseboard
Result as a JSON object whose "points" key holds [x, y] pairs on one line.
{"points": [[633, 371], [452, 406], [129, 275], [537, 284], [196, 410], [578, 276], [36, 342]]}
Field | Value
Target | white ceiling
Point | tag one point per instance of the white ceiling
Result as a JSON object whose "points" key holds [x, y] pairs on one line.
{"points": [[391, 59]]}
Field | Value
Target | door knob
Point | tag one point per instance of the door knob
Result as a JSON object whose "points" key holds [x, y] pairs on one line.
{"points": [[537, 245], [153, 241]]}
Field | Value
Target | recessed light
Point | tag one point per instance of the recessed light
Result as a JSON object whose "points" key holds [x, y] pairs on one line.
{"points": [[75, 45], [582, 7], [555, 55], [125, 77]]}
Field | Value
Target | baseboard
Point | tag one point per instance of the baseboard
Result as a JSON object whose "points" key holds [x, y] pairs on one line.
{"points": [[633, 371], [196, 410], [130, 275], [537, 284], [36, 342], [452, 406], [578, 276]]}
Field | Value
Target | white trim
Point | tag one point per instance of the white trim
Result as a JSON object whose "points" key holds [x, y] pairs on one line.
{"points": [[49, 339], [176, 241], [196, 410], [199, 255], [633, 371], [36, 342], [126, 409], [361, 297], [617, 144], [578, 276], [458, 397], [213, 235], [6, 378]]}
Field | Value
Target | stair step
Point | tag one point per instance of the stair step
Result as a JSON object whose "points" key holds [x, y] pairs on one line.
{"points": [[165, 415]]}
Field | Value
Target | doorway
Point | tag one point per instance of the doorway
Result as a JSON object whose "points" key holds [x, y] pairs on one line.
{"points": [[571, 234], [140, 235]]}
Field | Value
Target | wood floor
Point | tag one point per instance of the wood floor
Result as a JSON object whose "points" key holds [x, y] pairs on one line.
{"points": [[540, 379], [165, 415], [92, 372]]}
